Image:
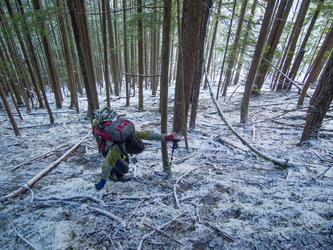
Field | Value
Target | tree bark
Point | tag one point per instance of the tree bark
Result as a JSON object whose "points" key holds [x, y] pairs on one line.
{"points": [[81, 35], [128, 89], [301, 51], [292, 42], [50, 60], [225, 52], [190, 40], [165, 79], [255, 61], [15, 61], [318, 64], [209, 61], [105, 54], [9, 111], [36, 66], [68, 59], [199, 63], [113, 52], [25, 54], [245, 43], [140, 56], [234, 48], [273, 40], [320, 103]]}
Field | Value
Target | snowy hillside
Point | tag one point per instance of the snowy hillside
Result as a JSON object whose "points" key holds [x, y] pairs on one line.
{"points": [[220, 195]]}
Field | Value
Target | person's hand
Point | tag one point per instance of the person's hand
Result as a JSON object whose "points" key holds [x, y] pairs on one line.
{"points": [[172, 137], [100, 184]]}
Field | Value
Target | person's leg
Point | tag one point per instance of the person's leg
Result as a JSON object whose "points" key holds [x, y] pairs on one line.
{"points": [[121, 167]]}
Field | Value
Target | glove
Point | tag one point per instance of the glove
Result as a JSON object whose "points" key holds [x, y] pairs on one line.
{"points": [[172, 137], [100, 184]]}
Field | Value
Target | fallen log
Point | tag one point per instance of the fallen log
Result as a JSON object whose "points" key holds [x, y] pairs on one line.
{"points": [[32, 181], [282, 163]]}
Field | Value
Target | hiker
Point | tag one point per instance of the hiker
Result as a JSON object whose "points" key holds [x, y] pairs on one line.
{"points": [[117, 138]]}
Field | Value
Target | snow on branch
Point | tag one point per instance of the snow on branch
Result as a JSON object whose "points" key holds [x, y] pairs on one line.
{"points": [[32, 181]]}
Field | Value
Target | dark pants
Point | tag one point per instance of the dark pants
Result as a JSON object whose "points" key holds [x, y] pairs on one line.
{"points": [[121, 167]]}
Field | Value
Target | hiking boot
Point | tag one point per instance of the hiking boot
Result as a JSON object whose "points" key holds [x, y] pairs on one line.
{"points": [[122, 178]]}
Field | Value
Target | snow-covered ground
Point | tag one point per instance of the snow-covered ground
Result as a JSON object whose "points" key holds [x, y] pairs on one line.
{"points": [[220, 195]]}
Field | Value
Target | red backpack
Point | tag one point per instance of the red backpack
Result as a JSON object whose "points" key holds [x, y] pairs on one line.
{"points": [[109, 126]]}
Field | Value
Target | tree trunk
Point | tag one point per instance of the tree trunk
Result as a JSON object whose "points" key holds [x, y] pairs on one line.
{"points": [[68, 59], [273, 40], [292, 42], [209, 61], [113, 53], [128, 89], [199, 63], [189, 47], [301, 52], [255, 61], [318, 64], [105, 53], [165, 79], [50, 60], [140, 52], [245, 43], [225, 52], [11, 49], [36, 65], [234, 48], [81, 35], [25, 54], [9, 112], [320, 103]]}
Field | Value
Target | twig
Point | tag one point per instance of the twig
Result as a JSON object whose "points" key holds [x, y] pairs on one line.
{"points": [[69, 198], [184, 159], [36, 158], [324, 172], [110, 215], [146, 236], [224, 234], [222, 141], [32, 181], [21, 237], [163, 233], [129, 217], [76, 240], [175, 186]]}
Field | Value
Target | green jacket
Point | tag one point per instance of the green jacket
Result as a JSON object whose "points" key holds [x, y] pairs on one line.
{"points": [[114, 154]]}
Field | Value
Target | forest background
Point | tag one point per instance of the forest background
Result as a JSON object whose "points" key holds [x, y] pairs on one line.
{"points": [[51, 50], [76, 45]]}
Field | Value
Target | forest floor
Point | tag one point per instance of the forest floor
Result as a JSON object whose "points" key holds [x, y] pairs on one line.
{"points": [[220, 195]]}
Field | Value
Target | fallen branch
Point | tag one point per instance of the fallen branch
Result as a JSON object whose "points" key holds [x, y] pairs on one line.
{"points": [[37, 158], [175, 186], [146, 236], [32, 181], [184, 159], [110, 215], [282, 163], [222, 141], [21, 237]]}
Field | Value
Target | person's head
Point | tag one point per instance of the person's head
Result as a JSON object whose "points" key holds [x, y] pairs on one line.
{"points": [[134, 145]]}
